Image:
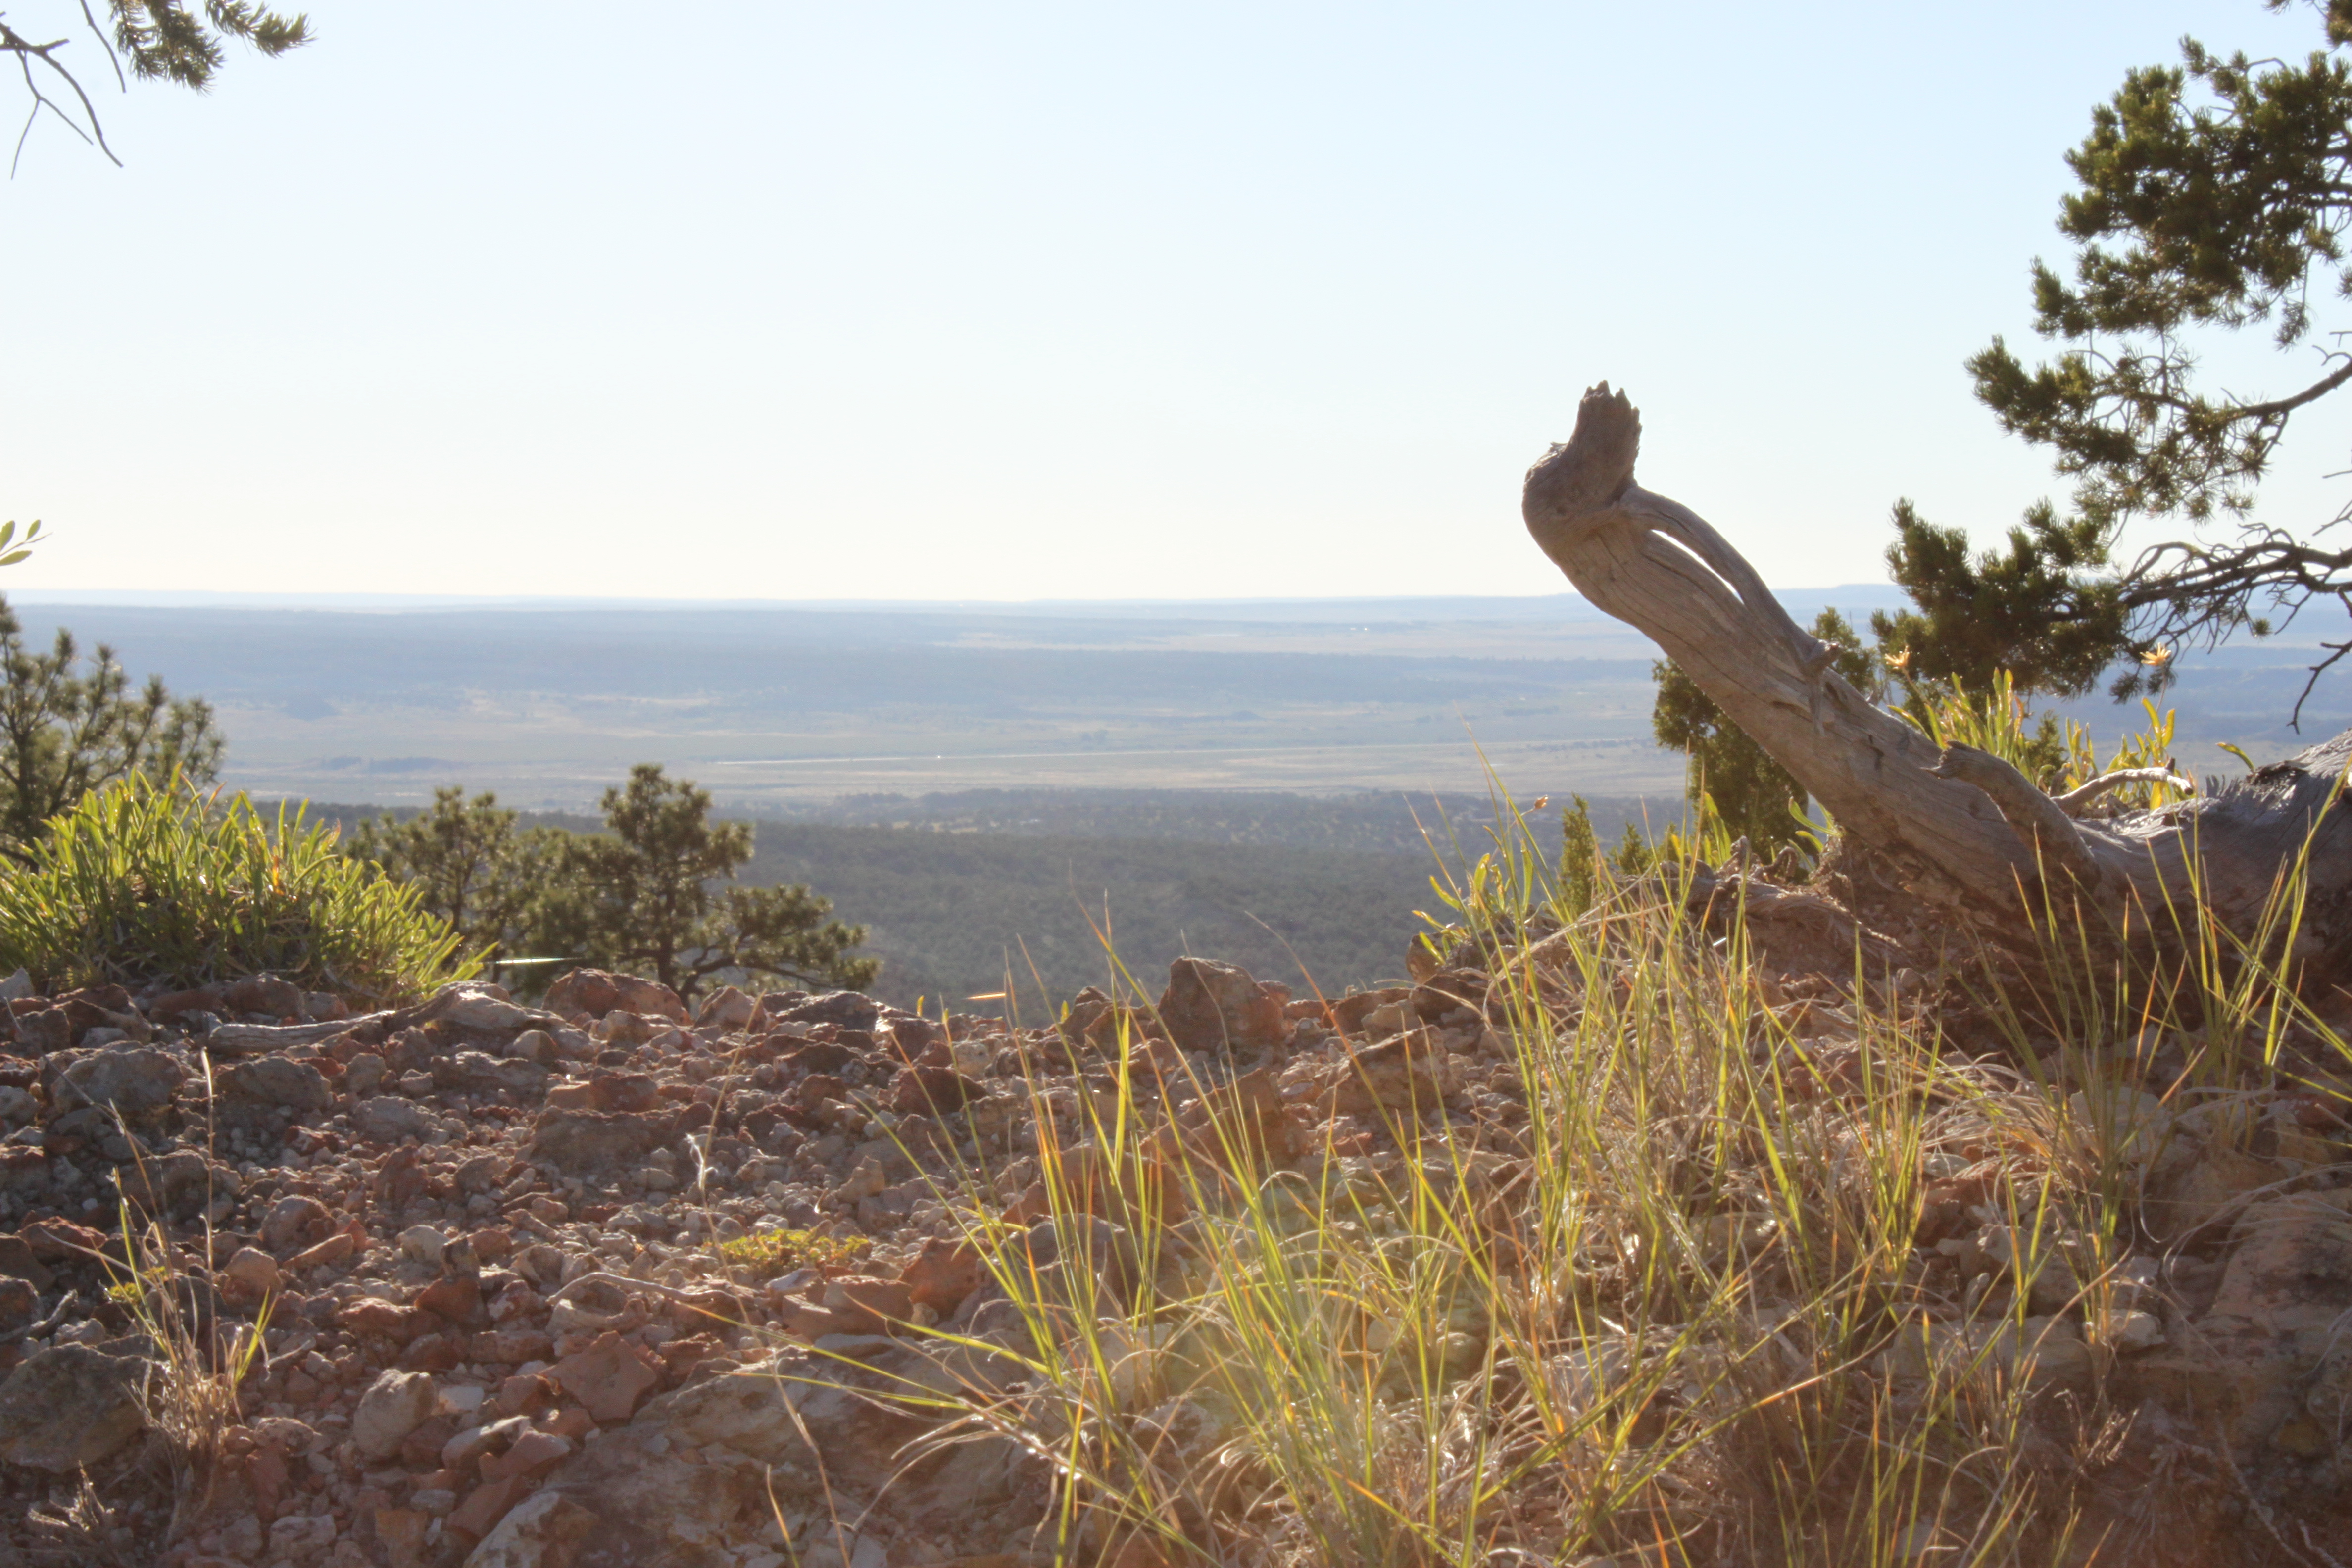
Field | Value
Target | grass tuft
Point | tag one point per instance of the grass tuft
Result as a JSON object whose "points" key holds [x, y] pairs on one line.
{"points": [[152, 881]]}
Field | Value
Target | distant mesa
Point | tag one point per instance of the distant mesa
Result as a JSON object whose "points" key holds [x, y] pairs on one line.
{"points": [[308, 706]]}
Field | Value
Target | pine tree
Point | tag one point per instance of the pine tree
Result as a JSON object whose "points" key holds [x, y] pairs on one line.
{"points": [[2210, 199]]}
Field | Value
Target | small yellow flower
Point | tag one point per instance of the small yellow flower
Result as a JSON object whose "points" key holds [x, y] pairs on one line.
{"points": [[2157, 658], [1899, 662]]}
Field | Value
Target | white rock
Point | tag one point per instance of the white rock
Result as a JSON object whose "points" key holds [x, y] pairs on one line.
{"points": [[2129, 1329], [396, 1404], [459, 1399], [2125, 1125], [423, 1244]]}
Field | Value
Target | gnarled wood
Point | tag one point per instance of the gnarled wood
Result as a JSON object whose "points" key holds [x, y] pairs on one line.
{"points": [[1959, 818]]}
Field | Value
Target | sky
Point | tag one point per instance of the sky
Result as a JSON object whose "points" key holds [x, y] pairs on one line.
{"points": [[1010, 300]]}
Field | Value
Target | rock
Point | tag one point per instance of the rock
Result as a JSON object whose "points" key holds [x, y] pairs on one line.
{"points": [[843, 1407], [42, 1030], [423, 1244], [456, 1299], [301, 1537], [68, 1406], [942, 1274], [481, 1073], [544, 1531], [597, 991], [263, 993], [396, 1404], [179, 1184], [277, 1082], [725, 1008], [2129, 1329], [19, 1304], [252, 1272], [484, 1506], [2043, 1352], [17, 1262], [628, 1500], [623, 1030], [609, 1377], [467, 1007], [588, 1140], [23, 1173], [2290, 1267], [363, 1075], [872, 1306], [1409, 1073], [535, 1046], [2210, 1189], [845, 1009], [334, 1250], [295, 1221], [1212, 1006], [389, 1120], [2127, 1125], [930, 1091], [628, 1091], [136, 1080], [533, 1453]]}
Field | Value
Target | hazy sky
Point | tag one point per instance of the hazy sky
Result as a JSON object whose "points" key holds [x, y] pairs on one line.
{"points": [[1013, 301]]}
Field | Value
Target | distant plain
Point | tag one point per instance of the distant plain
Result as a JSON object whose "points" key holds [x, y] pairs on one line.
{"points": [[778, 709], [984, 786]]}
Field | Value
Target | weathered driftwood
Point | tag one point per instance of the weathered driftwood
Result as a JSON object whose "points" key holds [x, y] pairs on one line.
{"points": [[1960, 822]]}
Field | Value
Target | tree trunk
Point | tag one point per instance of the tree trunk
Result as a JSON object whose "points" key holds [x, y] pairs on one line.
{"points": [[1961, 824]]}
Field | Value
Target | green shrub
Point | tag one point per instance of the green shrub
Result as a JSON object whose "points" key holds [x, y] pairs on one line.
{"points": [[151, 880]]}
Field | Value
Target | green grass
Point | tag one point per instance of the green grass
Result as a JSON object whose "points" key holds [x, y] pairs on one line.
{"points": [[1683, 1316], [148, 882]]}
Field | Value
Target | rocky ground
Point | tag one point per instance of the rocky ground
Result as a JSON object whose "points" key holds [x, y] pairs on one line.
{"points": [[511, 1256], [600, 1283]]}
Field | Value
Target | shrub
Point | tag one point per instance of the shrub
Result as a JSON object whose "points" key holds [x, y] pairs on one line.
{"points": [[150, 880]]}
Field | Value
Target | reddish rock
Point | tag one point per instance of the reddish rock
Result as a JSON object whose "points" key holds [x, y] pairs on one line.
{"points": [[624, 1092], [525, 1395], [264, 993], [929, 1091], [17, 1262], [596, 992], [61, 1241], [170, 1007], [873, 1304], [492, 1243], [421, 1448], [942, 1274], [572, 1422], [432, 1352], [250, 1275], [456, 1301], [43, 1030], [399, 1531], [1211, 1007], [334, 1250], [609, 1377], [509, 1347], [530, 1455], [374, 1316], [590, 1139]]}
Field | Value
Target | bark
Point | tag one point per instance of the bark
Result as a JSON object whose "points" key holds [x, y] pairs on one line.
{"points": [[1960, 822]]}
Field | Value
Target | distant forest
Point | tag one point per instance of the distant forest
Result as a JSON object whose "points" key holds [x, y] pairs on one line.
{"points": [[961, 892]]}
